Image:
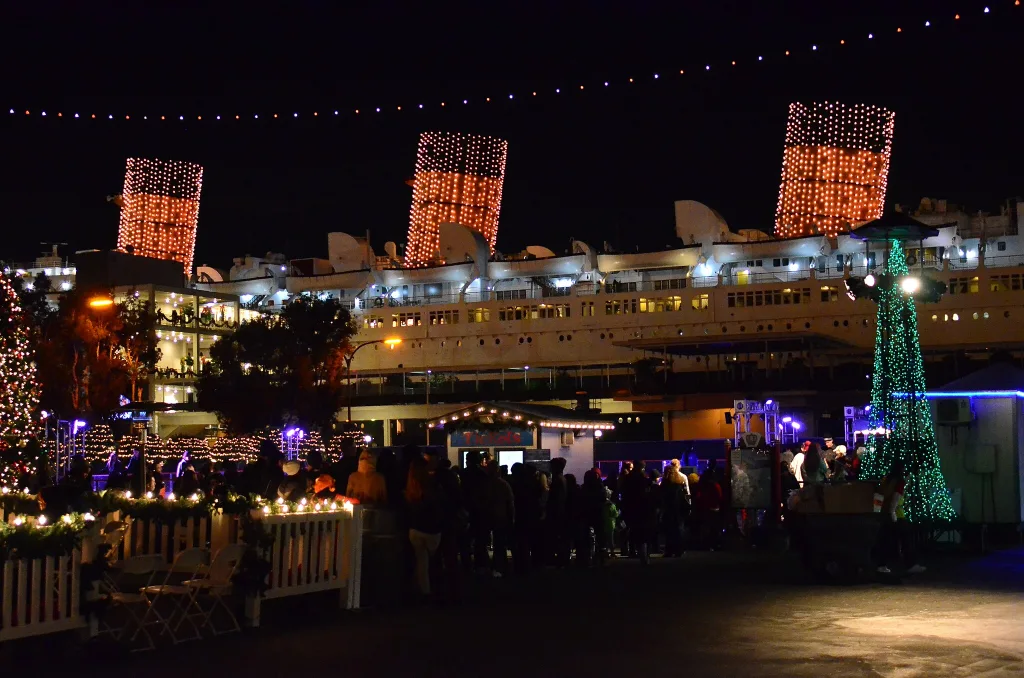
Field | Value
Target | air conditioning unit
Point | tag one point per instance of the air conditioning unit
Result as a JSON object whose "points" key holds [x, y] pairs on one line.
{"points": [[953, 411], [849, 412], [566, 438]]}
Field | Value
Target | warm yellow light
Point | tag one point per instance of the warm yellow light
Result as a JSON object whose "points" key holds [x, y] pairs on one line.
{"points": [[393, 341], [101, 302]]}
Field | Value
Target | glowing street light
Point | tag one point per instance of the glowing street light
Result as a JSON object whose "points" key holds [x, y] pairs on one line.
{"points": [[390, 342], [910, 285], [869, 280], [101, 302]]}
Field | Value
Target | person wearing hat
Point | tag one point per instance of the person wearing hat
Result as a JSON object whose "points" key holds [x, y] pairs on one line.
{"points": [[367, 484], [293, 486]]}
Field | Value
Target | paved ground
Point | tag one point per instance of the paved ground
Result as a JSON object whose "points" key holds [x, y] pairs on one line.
{"points": [[708, 614]]}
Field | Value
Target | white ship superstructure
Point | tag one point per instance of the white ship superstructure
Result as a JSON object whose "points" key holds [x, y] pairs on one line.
{"points": [[719, 296]]}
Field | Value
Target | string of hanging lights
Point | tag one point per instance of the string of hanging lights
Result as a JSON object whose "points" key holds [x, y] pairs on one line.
{"points": [[986, 11]]}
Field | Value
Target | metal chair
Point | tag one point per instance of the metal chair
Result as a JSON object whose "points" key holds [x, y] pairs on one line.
{"points": [[216, 586], [188, 563], [139, 569]]}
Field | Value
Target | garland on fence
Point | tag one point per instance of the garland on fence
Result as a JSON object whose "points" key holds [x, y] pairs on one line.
{"points": [[26, 539], [29, 536]]}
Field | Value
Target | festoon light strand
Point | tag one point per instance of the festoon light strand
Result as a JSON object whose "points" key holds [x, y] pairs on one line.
{"points": [[816, 47]]}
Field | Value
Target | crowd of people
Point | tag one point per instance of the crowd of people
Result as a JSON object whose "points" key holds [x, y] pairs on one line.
{"points": [[813, 465], [474, 518], [487, 518], [482, 518]]}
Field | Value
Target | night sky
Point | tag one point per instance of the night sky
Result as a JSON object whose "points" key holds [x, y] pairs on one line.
{"points": [[598, 164]]}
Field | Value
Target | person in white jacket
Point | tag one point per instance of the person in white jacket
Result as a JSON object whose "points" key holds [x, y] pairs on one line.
{"points": [[796, 466]]}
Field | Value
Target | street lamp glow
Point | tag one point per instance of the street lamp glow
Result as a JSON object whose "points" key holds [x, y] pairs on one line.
{"points": [[393, 341], [911, 285], [869, 280], [101, 302]]}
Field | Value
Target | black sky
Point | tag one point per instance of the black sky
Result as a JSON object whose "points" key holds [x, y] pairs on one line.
{"points": [[601, 164]]}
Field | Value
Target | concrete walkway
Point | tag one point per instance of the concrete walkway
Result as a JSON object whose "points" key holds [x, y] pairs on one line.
{"points": [[708, 614]]}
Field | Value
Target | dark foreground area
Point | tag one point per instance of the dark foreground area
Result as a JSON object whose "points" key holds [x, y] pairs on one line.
{"points": [[706, 614]]}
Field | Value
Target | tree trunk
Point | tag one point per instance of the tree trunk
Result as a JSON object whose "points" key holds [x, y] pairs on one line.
{"points": [[74, 380]]}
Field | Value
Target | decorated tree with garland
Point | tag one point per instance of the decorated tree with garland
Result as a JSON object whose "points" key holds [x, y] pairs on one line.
{"points": [[900, 411], [19, 390]]}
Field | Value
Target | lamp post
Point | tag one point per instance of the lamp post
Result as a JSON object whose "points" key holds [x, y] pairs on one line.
{"points": [[391, 341]]}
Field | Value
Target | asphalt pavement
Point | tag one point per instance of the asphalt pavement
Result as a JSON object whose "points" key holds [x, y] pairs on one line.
{"points": [[746, 613]]}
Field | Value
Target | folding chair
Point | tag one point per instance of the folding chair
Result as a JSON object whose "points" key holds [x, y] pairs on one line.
{"points": [[216, 586], [113, 534], [189, 563], [139, 569]]}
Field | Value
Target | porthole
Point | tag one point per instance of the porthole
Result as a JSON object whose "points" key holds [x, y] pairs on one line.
{"points": [[561, 337], [497, 341], [743, 328], [681, 333], [976, 315], [760, 328], [1006, 314], [789, 326], [770, 327], [985, 315], [724, 330], [442, 344], [481, 342], [835, 323], [865, 321], [935, 317], [611, 336], [459, 342], [521, 340], [846, 323], [568, 337], [807, 326], [602, 335], [529, 340]]}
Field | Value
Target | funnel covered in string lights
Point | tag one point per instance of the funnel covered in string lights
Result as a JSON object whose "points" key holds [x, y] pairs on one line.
{"points": [[834, 168], [458, 179], [160, 209]]}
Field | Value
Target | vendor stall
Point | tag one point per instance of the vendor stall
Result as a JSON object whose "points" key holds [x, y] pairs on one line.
{"points": [[523, 433]]}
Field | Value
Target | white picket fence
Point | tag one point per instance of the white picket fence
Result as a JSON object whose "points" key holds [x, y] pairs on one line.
{"points": [[40, 596], [150, 537], [310, 552], [313, 552]]}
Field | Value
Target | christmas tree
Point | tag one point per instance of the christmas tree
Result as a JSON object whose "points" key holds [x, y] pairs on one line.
{"points": [[19, 390], [900, 412]]}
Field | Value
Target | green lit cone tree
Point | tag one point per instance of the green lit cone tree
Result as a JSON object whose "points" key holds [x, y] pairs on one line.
{"points": [[899, 406]]}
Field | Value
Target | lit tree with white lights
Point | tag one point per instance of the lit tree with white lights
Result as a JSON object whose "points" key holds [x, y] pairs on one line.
{"points": [[19, 390]]}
